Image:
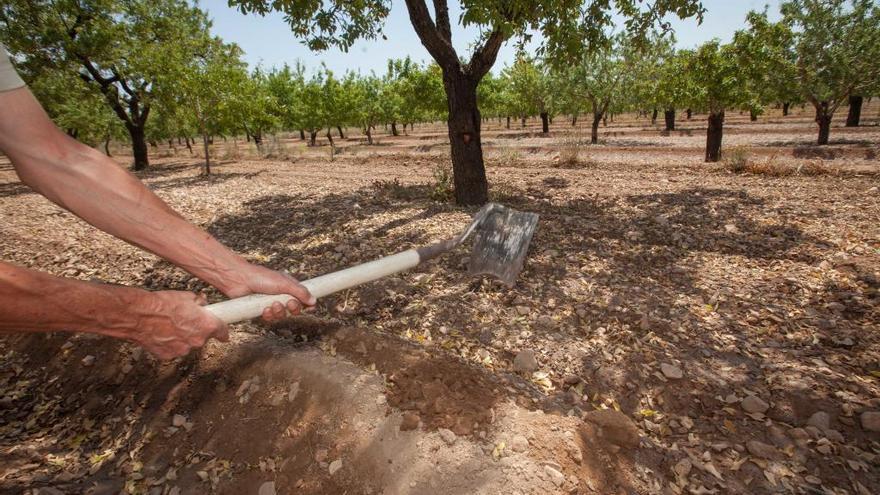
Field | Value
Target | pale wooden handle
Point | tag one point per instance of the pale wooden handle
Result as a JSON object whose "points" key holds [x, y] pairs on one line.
{"points": [[249, 307]]}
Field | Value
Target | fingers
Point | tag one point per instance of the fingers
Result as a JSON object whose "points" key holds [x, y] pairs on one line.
{"points": [[299, 291]]}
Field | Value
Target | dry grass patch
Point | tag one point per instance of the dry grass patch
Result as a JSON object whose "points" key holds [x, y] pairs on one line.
{"points": [[738, 160]]}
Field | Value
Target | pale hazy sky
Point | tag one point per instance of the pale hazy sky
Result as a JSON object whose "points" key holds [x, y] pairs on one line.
{"points": [[268, 40]]}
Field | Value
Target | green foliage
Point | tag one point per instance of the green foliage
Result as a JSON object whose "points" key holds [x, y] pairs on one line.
{"points": [[717, 82]]}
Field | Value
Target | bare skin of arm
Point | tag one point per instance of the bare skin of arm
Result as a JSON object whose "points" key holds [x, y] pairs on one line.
{"points": [[96, 189]]}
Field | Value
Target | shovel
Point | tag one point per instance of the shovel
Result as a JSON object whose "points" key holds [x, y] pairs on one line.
{"points": [[501, 239]]}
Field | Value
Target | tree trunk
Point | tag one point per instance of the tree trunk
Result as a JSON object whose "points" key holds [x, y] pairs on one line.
{"points": [[523, 125], [654, 117], [753, 115], [714, 134], [605, 119], [312, 136], [594, 132], [188, 145], [785, 107], [302, 134], [138, 147], [369, 134], [689, 113], [207, 154], [508, 121], [469, 173], [574, 120], [394, 129], [247, 135], [823, 118], [107, 146], [341, 135], [545, 125], [855, 111], [669, 116]]}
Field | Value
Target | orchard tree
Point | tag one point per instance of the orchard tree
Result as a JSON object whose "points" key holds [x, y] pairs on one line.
{"points": [[833, 47], [565, 28], [529, 89], [718, 86], [212, 87], [124, 48], [767, 57]]}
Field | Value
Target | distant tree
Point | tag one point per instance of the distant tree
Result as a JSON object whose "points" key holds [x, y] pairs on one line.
{"points": [[769, 62], [831, 46], [217, 91], [564, 26], [529, 89], [125, 49], [717, 83]]}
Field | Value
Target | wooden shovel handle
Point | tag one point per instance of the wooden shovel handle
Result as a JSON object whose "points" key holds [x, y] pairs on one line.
{"points": [[249, 307]]}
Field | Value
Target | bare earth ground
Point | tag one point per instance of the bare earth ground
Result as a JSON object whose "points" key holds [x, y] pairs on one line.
{"points": [[732, 319]]}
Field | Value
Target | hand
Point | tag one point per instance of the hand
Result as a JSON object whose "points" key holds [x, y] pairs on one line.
{"points": [[261, 280], [174, 322]]}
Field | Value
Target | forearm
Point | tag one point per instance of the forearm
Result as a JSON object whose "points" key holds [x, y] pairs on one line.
{"points": [[37, 302], [96, 189]]}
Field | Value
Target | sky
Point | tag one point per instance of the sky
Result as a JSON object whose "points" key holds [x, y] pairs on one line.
{"points": [[268, 41]]}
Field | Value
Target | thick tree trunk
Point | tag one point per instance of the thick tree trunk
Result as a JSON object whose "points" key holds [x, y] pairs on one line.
{"points": [[855, 111], [785, 106], [313, 135], [394, 129], [753, 115], [594, 132], [689, 113], [188, 145], [523, 124], [138, 147], [654, 117], [107, 146], [669, 116], [714, 133], [823, 118], [508, 121], [574, 120], [247, 135], [341, 135], [545, 125], [205, 141], [469, 173], [302, 134]]}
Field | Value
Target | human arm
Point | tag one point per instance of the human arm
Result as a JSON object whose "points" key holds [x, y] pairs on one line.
{"points": [[165, 323], [96, 189]]}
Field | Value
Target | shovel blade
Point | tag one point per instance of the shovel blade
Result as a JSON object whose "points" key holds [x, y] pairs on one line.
{"points": [[501, 241]]}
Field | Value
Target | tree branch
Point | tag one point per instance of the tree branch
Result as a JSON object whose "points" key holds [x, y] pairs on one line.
{"points": [[430, 37], [441, 12], [484, 57]]}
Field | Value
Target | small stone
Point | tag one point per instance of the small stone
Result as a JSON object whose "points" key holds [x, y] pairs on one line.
{"points": [[555, 476], [525, 361], [545, 323], [335, 466], [753, 404], [522, 310], [731, 229], [178, 420], [682, 468], [448, 436], [812, 480], [870, 420], [410, 422], [834, 435], [519, 443], [88, 360], [761, 449], [820, 420], [267, 488], [671, 371]]}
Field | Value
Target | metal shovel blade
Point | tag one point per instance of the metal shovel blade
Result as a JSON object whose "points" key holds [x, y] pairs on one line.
{"points": [[501, 241]]}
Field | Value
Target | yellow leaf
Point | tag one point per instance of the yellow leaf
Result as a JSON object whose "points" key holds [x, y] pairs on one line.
{"points": [[647, 412]]}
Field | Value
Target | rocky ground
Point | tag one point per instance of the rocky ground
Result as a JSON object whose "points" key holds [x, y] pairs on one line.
{"points": [[678, 328]]}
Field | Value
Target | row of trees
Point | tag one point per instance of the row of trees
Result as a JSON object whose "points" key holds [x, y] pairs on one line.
{"points": [[149, 70]]}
